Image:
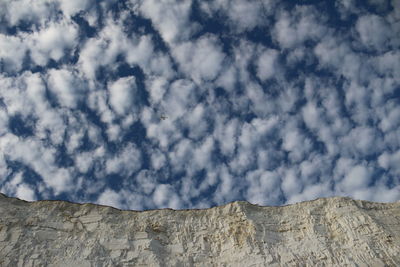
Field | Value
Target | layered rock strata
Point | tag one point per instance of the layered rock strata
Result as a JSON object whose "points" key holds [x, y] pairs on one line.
{"points": [[324, 232]]}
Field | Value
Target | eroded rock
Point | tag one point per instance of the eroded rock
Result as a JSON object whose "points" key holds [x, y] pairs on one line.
{"points": [[325, 232]]}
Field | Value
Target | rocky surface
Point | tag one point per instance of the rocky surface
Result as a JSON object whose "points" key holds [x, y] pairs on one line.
{"points": [[324, 232]]}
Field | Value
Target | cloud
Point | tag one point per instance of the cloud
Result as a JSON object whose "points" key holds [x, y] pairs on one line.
{"points": [[358, 142], [122, 94], [267, 63], [356, 178], [67, 87], [200, 60], [70, 8], [126, 162], [164, 196], [3, 122], [157, 87], [241, 16], [170, 18], [26, 10], [52, 41], [374, 32], [17, 186], [302, 24], [42, 160], [226, 190], [25, 192], [291, 185], [388, 161], [12, 53], [263, 187], [110, 197], [296, 144], [158, 160], [226, 134]]}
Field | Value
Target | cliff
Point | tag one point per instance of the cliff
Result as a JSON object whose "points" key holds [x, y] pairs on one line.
{"points": [[325, 232]]}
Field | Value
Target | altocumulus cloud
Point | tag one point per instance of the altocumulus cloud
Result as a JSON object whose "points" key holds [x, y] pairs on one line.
{"points": [[190, 104]]}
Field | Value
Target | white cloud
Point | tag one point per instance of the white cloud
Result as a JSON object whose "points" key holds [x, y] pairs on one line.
{"points": [[226, 134], [242, 162], [157, 87], [180, 98], [312, 192], [201, 60], [84, 161], [158, 160], [253, 133], [126, 162], [226, 190], [358, 142], [122, 95], [374, 32], [296, 144], [66, 86], [36, 91], [52, 41], [110, 198], [346, 8], [103, 49], [60, 180], [267, 63], [13, 95], [140, 52], [181, 155], [32, 11], [41, 159], [263, 187], [295, 135], [311, 115], [241, 15], [197, 122], [389, 161], [246, 15], [227, 78], [261, 105], [293, 29], [331, 53], [16, 186], [25, 192], [71, 7], [388, 65], [89, 57], [164, 196], [357, 177], [25, 96], [12, 52], [291, 183], [170, 18], [390, 117], [3, 122], [202, 157]]}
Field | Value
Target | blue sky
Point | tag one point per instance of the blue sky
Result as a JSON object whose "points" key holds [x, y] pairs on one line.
{"points": [[271, 102]]}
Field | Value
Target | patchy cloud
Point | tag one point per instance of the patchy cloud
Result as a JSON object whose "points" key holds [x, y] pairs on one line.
{"points": [[191, 104]]}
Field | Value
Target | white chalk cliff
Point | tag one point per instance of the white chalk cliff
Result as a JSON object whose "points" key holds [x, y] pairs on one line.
{"points": [[324, 232]]}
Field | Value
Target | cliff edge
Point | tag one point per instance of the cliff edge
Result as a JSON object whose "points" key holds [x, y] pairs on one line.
{"points": [[324, 232]]}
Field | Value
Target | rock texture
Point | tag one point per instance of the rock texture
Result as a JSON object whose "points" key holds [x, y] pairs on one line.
{"points": [[324, 232]]}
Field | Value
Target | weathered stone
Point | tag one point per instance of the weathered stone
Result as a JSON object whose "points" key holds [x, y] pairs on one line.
{"points": [[324, 232]]}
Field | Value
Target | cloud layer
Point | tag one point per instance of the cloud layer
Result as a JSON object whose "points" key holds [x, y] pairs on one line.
{"points": [[152, 104]]}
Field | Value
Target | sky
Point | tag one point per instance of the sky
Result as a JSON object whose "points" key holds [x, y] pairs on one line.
{"points": [[147, 104]]}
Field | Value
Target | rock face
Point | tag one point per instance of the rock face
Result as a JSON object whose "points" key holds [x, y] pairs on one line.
{"points": [[324, 232]]}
